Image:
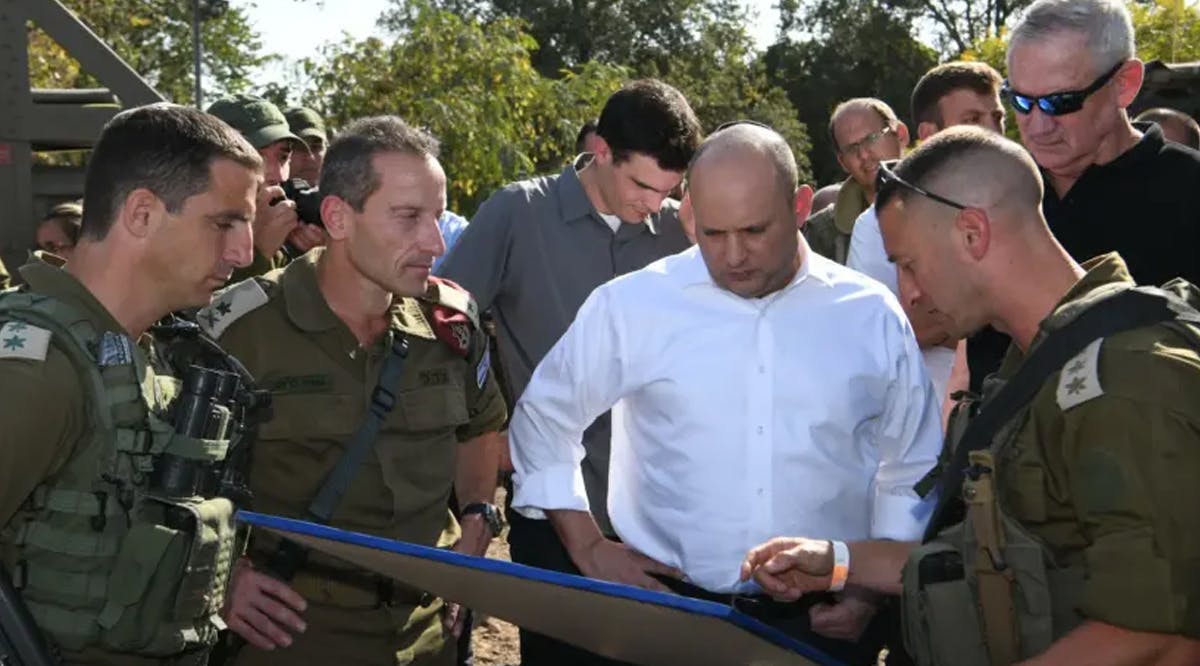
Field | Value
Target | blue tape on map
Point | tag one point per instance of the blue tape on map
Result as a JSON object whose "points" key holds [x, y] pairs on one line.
{"points": [[686, 604]]}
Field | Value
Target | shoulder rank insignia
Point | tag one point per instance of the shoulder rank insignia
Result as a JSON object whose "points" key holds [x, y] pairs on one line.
{"points": [[1080, 378], [21, 340], [455, 315], [229, 305]]}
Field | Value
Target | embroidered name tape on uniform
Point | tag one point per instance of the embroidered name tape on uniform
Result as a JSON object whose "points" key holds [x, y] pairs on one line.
{"points": [[20, 340], [1080, 378], [229, 305]]}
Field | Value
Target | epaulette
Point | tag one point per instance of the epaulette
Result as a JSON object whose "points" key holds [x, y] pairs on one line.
{"points": [[455, 314], [1080, 378], [21, 340], [231, 304]]}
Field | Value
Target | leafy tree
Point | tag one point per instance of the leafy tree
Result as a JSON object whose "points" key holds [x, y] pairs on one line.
{"points": [[474, 86], [155, 38], [570, 33], [1167, 30], [701, 47]]}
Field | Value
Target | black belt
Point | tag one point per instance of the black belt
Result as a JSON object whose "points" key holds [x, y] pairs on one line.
{"points": [[758, 606]]}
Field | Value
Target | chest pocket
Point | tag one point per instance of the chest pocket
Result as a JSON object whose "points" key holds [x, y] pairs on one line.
{"points": [[431, 400]]}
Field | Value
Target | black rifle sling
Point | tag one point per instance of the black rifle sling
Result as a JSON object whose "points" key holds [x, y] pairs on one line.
{"points": [[1126, 310], [290, 556], [383, 399]]}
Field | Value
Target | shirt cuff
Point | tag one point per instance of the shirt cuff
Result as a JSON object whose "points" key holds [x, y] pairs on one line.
{"points": [[552, 488], [900, 517]]}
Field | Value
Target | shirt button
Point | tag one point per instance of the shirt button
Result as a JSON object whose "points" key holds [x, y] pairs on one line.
{"points": [[760, 491], [759, 430], [762, 369]]}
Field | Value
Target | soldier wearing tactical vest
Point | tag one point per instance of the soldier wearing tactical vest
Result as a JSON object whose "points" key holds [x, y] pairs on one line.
{"points": [[1066, 530], [322, 334], [109, 526]]}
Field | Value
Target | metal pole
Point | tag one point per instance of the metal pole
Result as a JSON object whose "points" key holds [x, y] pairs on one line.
{"points": [[196, 47]]}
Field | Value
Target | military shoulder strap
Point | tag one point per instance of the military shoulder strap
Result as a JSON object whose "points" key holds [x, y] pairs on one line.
{"points": [[290, 556], [383, 399], [1125, 310], [231, 304]]}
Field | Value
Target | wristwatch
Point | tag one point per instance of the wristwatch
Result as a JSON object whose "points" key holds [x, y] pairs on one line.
{"points": [[490, 514]]}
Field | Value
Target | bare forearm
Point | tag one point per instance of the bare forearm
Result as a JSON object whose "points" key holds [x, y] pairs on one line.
{"points": [[1101, 644], [876, 565], [476, 469], [577, 530]]}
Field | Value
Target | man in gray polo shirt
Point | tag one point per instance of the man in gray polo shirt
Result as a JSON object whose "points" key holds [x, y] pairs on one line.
{"points": [[537, 248]]}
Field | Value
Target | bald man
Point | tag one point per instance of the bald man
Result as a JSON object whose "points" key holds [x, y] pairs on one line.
{"points": [[741, 404], [1084, 497]]}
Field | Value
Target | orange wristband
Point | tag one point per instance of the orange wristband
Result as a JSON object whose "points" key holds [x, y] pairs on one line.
{"points": [[841, 566]]}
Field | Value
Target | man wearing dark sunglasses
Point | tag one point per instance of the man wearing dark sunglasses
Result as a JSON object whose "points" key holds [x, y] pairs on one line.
{"points": [[1111, 185], [1078, 545]]}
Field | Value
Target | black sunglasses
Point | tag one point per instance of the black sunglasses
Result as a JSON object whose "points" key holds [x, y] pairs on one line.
{"points": [[886, 180], [1059, 103]]}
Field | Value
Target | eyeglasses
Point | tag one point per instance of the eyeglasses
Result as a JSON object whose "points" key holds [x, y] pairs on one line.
{"points": [[867, 141], [1059, 103], [886, 180]]}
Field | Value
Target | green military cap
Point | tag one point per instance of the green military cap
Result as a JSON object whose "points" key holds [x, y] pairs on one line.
{"points": [[261, 122], [307, 123]]}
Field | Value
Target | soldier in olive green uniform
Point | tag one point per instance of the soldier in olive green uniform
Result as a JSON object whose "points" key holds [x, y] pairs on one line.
{"points": [[117, 563], [266, 128], [1080, 541], [316, 334]]}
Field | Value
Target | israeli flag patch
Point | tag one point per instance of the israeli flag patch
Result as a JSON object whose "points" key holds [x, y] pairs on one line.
{"points": [[481, 370]]}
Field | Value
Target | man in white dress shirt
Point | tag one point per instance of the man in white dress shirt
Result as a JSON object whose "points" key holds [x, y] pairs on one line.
{"points": [[756, 388]]}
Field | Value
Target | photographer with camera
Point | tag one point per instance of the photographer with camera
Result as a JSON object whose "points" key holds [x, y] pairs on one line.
{"points": [[278, 221]]}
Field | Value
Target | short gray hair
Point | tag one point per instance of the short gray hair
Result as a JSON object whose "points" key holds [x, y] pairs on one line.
{"points": [[349, 172], [1105, 26]]}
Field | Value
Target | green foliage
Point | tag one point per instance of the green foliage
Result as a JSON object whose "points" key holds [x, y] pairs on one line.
{"points": [[642, 35], [155, 38], [960, 24], [474, 86], [701, 47], [853, 48], [723, 79], [1167, 30]]}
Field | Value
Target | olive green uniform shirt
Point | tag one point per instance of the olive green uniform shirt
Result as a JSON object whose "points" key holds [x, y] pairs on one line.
{"points": [[828, 231], [1105, 469], [321, 382], [43, 413]]}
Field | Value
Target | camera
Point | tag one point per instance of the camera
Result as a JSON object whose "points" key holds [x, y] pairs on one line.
{"points": [[307, 198]]}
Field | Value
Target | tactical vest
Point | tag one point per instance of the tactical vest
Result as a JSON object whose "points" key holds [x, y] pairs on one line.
{"points": [[102, 557], [986, 572], [987, 592]]}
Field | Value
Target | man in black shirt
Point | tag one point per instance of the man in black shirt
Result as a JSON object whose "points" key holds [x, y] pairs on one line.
{"points": [[1110, 185]]}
